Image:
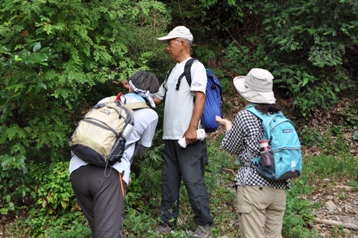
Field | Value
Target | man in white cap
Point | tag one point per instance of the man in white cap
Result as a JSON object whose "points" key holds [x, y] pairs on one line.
{"points": [[182, 119], [261, 202]]}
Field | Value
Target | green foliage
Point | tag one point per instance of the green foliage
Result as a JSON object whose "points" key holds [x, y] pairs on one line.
{"points": [[298, 212], [352, 118], [23, 96], [51, 57], [354, 183], [52, 54], [13, 186], [332, 139], [147, 169], [309, 41], [324, 166], [311, 137], [70, 225], [219, 176], [54, 202], [49, 200], [55, 213], [58, 58], [303, 44], [241, 59], [208, 18], [137, 222], [55, 190]]}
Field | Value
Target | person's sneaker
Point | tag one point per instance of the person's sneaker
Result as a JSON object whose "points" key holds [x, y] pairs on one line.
{"points": [[201, 232], [163, 230]]}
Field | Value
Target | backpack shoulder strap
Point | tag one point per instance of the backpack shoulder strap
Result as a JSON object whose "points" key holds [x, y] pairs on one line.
{"points": [[266, 120], [187, 68], [165, 83], [132, 105], [137, 105], [166, 78], [186, 73], [257, 113], [263, 118]]}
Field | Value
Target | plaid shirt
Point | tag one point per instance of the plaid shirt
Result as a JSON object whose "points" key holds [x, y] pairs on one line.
{"points": [[246, 132]]}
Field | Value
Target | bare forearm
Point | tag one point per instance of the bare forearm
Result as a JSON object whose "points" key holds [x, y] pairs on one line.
{"points": [[197, 112], [190, 134], [224, 122]]}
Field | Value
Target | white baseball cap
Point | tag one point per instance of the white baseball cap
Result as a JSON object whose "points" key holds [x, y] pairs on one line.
{"points": [[177, 32]]}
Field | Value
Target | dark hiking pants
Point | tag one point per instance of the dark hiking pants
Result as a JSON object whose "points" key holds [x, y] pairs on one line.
{"points": [[100, 199], [187, 163]]}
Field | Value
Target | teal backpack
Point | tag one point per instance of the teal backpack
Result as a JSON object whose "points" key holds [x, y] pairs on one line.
{"points": [[284, 148]]}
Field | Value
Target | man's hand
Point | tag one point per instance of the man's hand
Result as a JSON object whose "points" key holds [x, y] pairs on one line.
{"points": [[157, 101], [123, 84], [191, 136]]}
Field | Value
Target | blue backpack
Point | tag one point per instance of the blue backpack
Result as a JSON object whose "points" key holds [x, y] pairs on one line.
{"points": [[214, 98], [284, 147]]}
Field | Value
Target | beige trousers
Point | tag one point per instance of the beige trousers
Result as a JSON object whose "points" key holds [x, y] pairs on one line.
{"points": [[261, 211]]}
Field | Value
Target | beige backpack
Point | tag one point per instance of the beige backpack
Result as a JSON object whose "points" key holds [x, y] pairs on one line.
{"points": [[101, 135]]}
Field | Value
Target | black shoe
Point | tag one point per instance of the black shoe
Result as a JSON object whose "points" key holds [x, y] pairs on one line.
{"points": [[164, 230], [201, 231]]}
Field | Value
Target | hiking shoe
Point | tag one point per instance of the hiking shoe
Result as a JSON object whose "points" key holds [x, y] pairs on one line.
{"points": [[163, 230], [201, 232]]}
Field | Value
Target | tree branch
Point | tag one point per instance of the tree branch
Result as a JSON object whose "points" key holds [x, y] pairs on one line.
{"points": [[330, 222]]}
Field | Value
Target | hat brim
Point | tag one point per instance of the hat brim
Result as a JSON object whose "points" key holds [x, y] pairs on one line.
{"points": [[250, 95], [165, 39]]}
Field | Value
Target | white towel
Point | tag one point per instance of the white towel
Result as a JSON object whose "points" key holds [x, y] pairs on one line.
{"points": [[200, 135]]}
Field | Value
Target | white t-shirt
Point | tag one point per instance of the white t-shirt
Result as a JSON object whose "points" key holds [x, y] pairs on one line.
{"points": [[145, 122], [179, 104]]}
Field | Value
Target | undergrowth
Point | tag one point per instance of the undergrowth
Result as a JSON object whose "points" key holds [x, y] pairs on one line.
{"points": [[54, 212]]}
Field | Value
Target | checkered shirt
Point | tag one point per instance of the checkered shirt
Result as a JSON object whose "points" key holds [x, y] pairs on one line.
{"points": [[245, 134]]}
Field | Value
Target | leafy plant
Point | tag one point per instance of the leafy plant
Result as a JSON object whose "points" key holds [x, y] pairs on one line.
{"points": [[296, 30], [59, 58], [13, 184], [52, 55], [298, 211], [54, 200], [323, 166]]}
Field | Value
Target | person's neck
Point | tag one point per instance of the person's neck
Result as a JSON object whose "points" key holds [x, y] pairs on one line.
{"points": [[183, 58]]}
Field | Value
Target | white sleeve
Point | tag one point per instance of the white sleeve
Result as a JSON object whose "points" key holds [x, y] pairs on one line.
{"points": [[198, 77], [148, 134], [161, 92]]}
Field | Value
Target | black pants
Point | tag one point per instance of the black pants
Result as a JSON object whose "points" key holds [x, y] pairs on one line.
{"points": [[100, 199], [189, 164]]}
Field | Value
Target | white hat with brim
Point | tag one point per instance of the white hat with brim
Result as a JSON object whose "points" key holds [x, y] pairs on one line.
{"points": [[178, 32], [256, 87]]}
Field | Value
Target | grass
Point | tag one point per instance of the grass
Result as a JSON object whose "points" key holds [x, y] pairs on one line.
{"points": [[337, 165]]}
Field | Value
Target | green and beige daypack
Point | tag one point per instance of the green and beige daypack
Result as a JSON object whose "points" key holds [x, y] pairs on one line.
{"points": [[101, 135]]}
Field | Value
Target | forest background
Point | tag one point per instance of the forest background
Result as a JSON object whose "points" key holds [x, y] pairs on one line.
{"points": [[58, 58]]}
